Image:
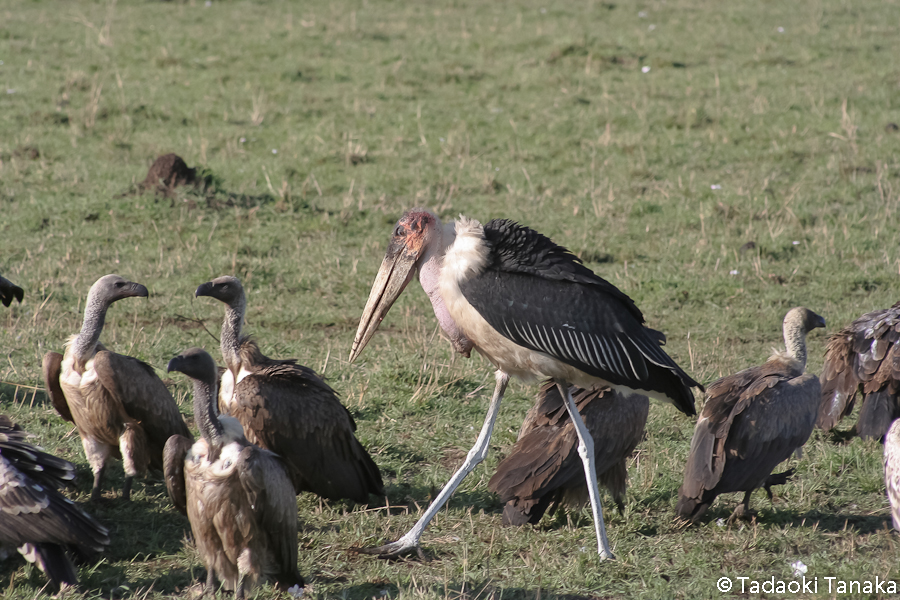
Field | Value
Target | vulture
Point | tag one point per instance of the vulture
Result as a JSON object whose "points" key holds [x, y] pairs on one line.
{"points": [[863, 356], [543, 469], [47, 526], [238, 496], [532, 309], [288, 409], [119, 405], [892, 470], [9, 291], [752, 420]]}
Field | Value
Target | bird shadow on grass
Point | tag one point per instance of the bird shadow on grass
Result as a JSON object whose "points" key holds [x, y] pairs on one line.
{"points": [[455, 590], [812, 519]]}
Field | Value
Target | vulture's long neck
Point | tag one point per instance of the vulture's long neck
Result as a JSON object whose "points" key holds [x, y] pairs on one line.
{"points": [[231, 333], [206, 415], [429, 277], [85, 344], [795, 341]]}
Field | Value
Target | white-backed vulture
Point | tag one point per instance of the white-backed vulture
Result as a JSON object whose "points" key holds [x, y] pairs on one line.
{"points": [[119, 405], [9, 291], [239, 499], [288, 409], [543, 468], [752, 420], [34, 515], [892, 470], [864, 356]]}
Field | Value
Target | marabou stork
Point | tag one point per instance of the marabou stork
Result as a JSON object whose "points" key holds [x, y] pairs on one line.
{"points": [[288, 409], [237, 496], [34, 515], [863, 356], [534, 311], [118, 403], [753, 420]]}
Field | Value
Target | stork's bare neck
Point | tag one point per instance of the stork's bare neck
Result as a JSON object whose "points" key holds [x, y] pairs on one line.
{"points": [[231, 333], [429, 277]]}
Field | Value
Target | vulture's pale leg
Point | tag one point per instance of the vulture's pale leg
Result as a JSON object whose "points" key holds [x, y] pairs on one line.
{"points": [[133, 446], [210, 582], [97, 454], [410, 541], [586, 451]]}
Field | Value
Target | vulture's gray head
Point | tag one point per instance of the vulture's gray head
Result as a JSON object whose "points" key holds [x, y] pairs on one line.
{"points": [[803, 320], [197, 364], [227, 289], [110, 288], [8, 291]]}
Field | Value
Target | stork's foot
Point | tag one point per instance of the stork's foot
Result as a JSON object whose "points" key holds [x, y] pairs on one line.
{"points": [[395, 550], [777, 479]]}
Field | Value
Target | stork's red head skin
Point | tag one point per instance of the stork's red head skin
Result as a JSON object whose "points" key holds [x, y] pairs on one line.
{"points": [[414, 227]]}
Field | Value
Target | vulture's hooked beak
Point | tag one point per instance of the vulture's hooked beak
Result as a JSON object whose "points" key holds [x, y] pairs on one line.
{"points": [[204, 289], [396, 272], [133, 289]]}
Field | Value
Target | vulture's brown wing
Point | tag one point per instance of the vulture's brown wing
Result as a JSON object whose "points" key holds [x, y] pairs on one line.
{"points": [[271, 494], [856, 355], [52, 368], [144, 397], [778, 421], [726, 398], [289, 410], [174, 453], [545, 458], [31, 510]]}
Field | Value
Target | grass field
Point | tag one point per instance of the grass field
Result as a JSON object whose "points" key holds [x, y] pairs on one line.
{"points": [[654, 139]]}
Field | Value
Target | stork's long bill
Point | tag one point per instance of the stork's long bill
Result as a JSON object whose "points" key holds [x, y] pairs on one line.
{"points": [[397, 270]]}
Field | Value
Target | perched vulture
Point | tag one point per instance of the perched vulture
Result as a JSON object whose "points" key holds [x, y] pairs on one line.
{"points": [[288, 409], [35, 516], [752, 421], [864, 356], [119, 404], [892, 470], [239, 499], [544, 469], [8, 291]]}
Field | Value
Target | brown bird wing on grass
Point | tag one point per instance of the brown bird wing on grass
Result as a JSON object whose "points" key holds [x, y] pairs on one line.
{"points": [[543, 467], [863, 356], [288, 409], [52, 367], [34, 513], [752, 420], [141, 392]]}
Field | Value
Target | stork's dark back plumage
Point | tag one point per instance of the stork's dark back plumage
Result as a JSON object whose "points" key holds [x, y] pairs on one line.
{"points": [[543, 468], [519, 295], [33, 512], [9, 292], [863, 357]]}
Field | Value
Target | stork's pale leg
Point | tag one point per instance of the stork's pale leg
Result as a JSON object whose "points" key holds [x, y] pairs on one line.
{"points": [[410, 541], [586, 451]]}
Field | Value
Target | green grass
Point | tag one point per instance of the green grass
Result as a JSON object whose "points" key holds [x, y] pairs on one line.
{"points": [[536, 111]]}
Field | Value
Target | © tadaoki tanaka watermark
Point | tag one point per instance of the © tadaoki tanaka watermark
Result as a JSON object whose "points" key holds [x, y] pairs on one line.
{"points": [[804, 585]]}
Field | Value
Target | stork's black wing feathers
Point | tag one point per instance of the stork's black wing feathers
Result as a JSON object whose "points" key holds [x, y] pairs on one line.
{"points": [[583, 326], [519, 249]]}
